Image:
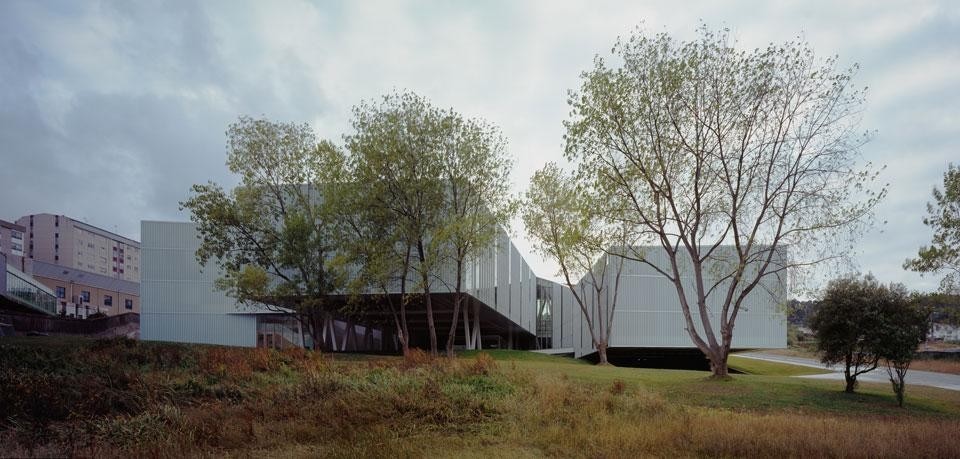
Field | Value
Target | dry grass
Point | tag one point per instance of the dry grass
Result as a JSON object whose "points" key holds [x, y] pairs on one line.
{"points": [[190, 401], [639, 423], [937, 365]]}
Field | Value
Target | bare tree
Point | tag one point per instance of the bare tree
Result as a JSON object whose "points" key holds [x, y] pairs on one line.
{"points": [[709, 146]]}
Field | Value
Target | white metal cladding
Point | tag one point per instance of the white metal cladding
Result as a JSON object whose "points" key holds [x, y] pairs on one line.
{"points": [[178, 301], [648, 312]]}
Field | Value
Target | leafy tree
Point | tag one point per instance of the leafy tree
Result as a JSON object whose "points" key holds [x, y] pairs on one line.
{"points": [[477, 206], [852, 322], [569, 223], [905, 327], [376, 254], [396, 156], [272, 236], [743, 165], [942, 256]]}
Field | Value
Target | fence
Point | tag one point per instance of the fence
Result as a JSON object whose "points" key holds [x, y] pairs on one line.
{"points": [[26, 323]]}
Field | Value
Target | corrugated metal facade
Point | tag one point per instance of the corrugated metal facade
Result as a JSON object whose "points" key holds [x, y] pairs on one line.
{"points": [[648, 312], [178, 301]]}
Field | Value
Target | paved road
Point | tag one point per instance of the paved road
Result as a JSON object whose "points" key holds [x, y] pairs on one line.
{"points": [[920, 378]]}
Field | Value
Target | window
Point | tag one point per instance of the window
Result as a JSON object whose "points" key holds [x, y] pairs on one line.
{"points": [[55, 257], [128, 303], [61, 292], [16, 235], [107, 300], [85, 296], [56, 220]]}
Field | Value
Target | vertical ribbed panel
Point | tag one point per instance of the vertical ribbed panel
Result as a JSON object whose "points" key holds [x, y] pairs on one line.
{"points": [[178, 301]]}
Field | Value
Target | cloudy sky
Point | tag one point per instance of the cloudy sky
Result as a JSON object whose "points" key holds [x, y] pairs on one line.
{"points": [[109, 111]]}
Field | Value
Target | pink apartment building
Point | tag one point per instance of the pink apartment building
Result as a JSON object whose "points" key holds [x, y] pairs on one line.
{"points": [[12, 239], [90, 269]]}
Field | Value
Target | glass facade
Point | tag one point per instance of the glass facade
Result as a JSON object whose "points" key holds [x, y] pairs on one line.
{"points": [[544, 315], [279, 332], [30, 293]]}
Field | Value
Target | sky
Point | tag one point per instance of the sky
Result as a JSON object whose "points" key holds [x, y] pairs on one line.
{"points": [[110, 111]]}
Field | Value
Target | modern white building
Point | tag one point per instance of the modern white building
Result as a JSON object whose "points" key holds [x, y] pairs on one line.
{"points": [[512, 306]]}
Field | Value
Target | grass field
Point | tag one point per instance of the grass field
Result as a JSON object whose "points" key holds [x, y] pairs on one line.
{"points": [[122, 398]]}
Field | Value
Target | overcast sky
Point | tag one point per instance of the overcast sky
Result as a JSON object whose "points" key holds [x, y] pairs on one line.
{"points": [[109, 111]]}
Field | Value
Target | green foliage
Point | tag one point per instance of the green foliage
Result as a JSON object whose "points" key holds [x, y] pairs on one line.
{"points": [[570, 222], [273, 235], [942, 256], [859, 321], [430, 187]]}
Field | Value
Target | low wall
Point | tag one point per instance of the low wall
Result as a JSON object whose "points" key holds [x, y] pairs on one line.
{"points": [[26, 323]]}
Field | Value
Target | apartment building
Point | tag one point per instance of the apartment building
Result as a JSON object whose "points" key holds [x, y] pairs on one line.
{"points": [[12, 243], [63, 241], [90, 269]]}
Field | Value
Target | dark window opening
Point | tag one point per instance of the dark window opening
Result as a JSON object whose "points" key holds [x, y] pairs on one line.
{"points": [[128, 304], [107, 300]]}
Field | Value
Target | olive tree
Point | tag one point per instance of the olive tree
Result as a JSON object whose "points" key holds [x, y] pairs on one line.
{"points": [[743, 164], [860, 321], [272, 236], [905, 327]]}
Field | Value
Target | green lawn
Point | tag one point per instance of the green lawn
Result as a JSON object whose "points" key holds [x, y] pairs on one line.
{"points": [[750, 366], [765, 386]]}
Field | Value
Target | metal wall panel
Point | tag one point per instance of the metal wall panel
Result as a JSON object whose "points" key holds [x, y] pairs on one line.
{"points": [[178, 301]]}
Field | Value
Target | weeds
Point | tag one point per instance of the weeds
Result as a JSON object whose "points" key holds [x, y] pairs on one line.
{"points": [[122, 398]]}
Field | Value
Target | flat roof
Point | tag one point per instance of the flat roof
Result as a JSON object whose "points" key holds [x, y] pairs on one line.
{"points": [[77, 276], [13, 226]]}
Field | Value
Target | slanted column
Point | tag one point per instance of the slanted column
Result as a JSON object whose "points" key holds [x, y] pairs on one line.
{"points": [[467, 337]]}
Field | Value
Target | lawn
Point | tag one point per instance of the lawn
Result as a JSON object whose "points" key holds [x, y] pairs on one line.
{"points": [[122, 398]]}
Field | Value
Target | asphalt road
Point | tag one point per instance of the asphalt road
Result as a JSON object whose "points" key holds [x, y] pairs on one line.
{"points": [[920, 378]]}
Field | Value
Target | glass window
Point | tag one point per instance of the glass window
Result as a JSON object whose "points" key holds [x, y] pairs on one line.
{"points": [[61, 292], [128, 303], [107, 300], [85, 296]]}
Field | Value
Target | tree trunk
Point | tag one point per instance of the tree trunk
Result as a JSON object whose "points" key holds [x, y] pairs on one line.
{"points": [[851, 379], [458, 298], [403, 331], [453, 323], [467, 334], [718, 364], [602, 354], [425, 277]]}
